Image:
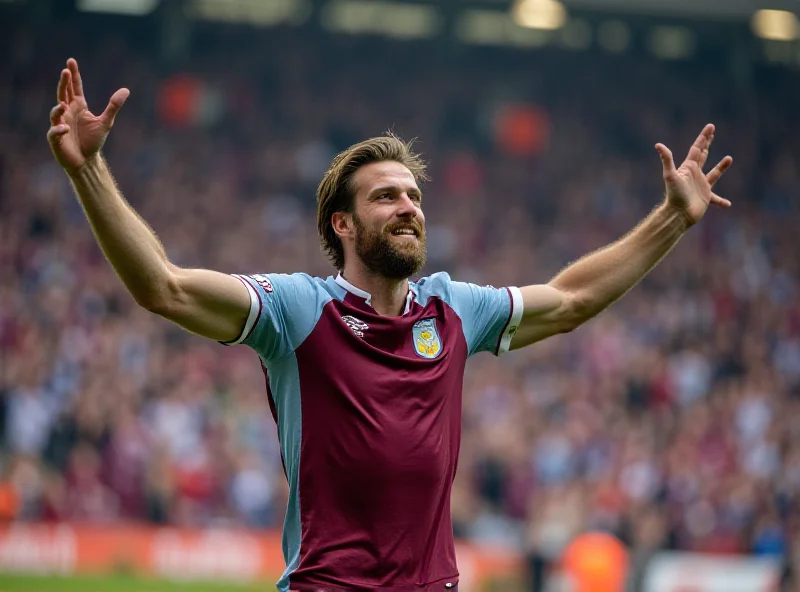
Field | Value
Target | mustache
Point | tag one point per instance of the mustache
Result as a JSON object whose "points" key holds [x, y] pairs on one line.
{"points": [[412, 225]]}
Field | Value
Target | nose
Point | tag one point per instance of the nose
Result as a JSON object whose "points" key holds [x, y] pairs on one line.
{"points": [[407, 208]]}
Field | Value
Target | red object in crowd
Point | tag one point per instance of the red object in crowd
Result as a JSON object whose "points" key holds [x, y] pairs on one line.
{"points": [[522, 130], [596, 561], [179, 99]]}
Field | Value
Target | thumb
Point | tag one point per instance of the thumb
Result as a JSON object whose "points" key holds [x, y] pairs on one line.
{"points": [[114, 105], [666, 159]]}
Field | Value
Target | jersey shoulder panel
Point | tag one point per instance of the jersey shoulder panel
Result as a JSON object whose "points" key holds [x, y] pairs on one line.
{"points": [[434, 285], [486, 312], [284, 311]]}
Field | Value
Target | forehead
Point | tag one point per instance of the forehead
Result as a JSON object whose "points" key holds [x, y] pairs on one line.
{"points": [[383, 174]]}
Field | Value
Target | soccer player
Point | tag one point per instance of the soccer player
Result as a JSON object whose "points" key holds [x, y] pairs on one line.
{"points": [[365, 368]]}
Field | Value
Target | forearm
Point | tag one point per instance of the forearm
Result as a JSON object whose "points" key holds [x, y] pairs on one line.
{"points": [[597, 280], [127, 241]]}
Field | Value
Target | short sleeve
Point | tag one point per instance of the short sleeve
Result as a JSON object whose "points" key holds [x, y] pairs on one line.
{"points": [[283, 311], [489, 316]]}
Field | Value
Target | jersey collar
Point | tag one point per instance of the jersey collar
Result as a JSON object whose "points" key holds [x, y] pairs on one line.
{"points": [[412, 292]]}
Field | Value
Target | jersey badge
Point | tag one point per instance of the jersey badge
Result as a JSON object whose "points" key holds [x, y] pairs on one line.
{"points": [[427, 343], [358, 326]]}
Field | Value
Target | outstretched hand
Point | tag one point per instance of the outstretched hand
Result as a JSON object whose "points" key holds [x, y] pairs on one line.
{"points": [[75, 134], [689, 189]]}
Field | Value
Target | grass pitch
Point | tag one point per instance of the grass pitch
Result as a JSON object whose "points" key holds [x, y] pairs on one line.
{"points": [[18, 583]]}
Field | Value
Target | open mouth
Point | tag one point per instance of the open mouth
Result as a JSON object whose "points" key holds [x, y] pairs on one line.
{"points": [[405, 232]]}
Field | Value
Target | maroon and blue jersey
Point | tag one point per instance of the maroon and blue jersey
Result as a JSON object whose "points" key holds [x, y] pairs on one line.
{"points": [[368, 409]]}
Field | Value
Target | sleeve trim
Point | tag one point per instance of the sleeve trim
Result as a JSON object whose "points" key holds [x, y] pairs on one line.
{"points": [[514, 318], [252, 317]]}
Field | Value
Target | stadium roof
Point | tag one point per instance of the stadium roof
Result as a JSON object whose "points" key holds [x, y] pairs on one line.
{"points": [[669, 29], [702, 9]]}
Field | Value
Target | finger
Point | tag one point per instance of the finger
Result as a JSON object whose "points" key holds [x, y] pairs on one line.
{"points": [[70, 94], [720, 201], [77, 83], [61, 93], [699, 150], [56, 113], [714, 174], [704, 154], [666, 159], [114, 105], [55, 132]]}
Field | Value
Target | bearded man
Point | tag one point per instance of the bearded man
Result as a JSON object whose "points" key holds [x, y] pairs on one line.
{"points": [[365, 368]]}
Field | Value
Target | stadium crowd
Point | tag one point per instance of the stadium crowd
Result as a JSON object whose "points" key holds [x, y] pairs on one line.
{"points": [[672, 420]]}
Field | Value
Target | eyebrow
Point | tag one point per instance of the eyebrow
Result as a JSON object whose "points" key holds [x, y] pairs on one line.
{"points": [[394, 188]]}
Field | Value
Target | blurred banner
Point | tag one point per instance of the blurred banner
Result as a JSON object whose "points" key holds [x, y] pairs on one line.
{"points": [[177, 554], [693, 572], [250, 556]]}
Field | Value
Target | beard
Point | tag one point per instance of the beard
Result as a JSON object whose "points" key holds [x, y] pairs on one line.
{"points": [[385, 258]]}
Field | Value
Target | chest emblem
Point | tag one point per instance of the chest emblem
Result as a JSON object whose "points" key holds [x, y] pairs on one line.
{"points": [[427, 343], [357, 325]]}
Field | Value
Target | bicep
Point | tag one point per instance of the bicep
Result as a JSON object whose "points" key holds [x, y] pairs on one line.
{"points": [[208, 303], [547, 311]]}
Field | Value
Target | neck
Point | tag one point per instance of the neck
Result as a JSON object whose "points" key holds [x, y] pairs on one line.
{"points": [[388, 295]]}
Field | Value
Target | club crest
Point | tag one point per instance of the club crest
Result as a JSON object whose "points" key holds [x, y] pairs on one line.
{"points": [[427, 343]]}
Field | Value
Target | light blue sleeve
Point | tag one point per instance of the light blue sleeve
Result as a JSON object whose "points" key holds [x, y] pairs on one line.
{"points": [[489, 316], [283, 311]]}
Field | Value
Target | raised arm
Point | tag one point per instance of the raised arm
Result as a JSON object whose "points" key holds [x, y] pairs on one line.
{"points": [[211, 304], [588, 286]]}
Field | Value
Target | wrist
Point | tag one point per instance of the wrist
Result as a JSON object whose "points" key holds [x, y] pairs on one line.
{"points": [[90, 167], [676, 216]]}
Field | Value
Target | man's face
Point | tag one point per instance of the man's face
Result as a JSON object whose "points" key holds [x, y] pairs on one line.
{"points": [[388, 219]]}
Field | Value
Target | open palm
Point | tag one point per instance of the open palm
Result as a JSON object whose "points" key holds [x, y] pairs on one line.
{"points": [[689, 189], [75, 133]]}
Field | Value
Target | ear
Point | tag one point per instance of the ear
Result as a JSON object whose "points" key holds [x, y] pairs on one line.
{"points": [[342, 223]]}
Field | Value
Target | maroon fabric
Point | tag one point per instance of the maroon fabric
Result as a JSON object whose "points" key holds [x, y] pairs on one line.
{"points": [[274, 410], [438, 587], [381, 428]]}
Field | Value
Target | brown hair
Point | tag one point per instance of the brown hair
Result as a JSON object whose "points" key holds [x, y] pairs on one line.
{"points": [[336, 191]]}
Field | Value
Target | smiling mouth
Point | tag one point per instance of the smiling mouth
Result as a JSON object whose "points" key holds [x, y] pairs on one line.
{"points": [[405, 232]]}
